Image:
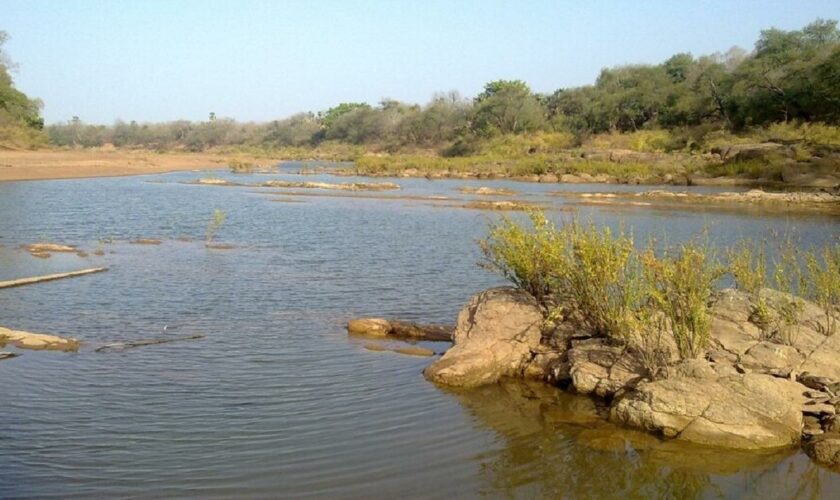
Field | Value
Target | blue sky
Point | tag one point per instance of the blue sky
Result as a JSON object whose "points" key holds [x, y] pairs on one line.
{"points": [[156, 60]]}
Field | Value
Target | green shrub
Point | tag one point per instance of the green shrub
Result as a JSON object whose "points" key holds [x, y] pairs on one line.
{"points": [[823, 283], [531, 258], [789, 279], [681, 286], [600, 278], [215, 224], [748, 267]]}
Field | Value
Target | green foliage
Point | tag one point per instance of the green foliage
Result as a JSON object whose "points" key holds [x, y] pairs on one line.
{"points": [[681, 287], [788, 277], [507, 107], [600, 278], [215, 224], [242, 167], [748, 266], [823, 283], [786, 90], [21, 124], [530, 258]]}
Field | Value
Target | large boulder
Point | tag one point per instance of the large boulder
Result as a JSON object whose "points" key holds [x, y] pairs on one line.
{"points": [[751, 411], [494, 337]]}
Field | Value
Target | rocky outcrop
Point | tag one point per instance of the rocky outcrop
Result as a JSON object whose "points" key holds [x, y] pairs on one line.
{"points": [[752, 389], [751, 411], [494, 337], [36, 341]]}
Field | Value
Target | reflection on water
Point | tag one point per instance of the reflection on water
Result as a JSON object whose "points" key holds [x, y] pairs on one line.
{"points": [[276, 400], [556, 445]]}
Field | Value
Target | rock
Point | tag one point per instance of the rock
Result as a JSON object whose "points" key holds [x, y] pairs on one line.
{"points": [[369, 326], [499, 205], [379, 327], [825, 449], [761, 151], [494, 337], [752, 411], [36, 341], [814, 382], [7, 355], [596, 367], [487, 191], [549, 178], [818, 409], [410, 351], [573, 179], [146, 241], [44, 249], [767, 357], [213, 181], [354, 186], [415, 351]]}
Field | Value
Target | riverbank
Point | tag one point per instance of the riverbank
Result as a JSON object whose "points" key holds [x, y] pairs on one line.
{"points": [[83, 163]]}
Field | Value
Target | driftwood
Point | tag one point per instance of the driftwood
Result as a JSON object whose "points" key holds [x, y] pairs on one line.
{"points": [[50, 277], [139, 343]]}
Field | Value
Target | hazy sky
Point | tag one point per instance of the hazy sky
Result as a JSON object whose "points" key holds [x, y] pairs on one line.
{"points": [[260, 60]]}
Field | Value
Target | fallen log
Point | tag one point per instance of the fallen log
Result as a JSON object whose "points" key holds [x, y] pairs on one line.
{"points": [[50, 277], [121, 346], [379, 327]]}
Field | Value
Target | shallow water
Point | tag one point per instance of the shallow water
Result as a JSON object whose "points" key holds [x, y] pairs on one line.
{"points": [[276, 400]]}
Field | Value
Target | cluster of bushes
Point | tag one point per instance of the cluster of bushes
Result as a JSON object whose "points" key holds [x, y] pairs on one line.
{"points": [[685, 102], [21, 124], [650, 300]]}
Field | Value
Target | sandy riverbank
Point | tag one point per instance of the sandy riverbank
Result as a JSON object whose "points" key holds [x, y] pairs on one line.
{"points": [[70, 164]]}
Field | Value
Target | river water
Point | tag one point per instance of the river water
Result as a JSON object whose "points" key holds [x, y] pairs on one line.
{"points": [[276, 400]]}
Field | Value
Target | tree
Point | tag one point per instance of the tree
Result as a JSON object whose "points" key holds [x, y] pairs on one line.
{"points": [[20, 116], [507, 107]]}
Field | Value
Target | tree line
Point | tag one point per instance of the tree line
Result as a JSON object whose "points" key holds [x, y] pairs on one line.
{"points": [[788, 76]]}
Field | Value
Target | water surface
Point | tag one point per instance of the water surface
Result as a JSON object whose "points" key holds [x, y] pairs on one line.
{"points": [[276, 400]]}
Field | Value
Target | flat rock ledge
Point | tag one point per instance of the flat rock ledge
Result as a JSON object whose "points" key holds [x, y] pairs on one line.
{"points": [[36, 341], [747, 392]]}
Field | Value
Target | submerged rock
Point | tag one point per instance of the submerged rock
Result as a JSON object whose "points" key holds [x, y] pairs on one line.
{"points": [[825, 449], [379, 327], [45, 250], [488, 191], [408, 350], [36, 341], [354, 186], [494, 337]]}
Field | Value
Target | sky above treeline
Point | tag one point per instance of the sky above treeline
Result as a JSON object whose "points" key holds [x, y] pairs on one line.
{"points": [[161, 60]]}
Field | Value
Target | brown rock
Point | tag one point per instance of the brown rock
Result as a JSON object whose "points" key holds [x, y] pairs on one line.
{"points": [[494, 337], [825, 449], [751, 411]]}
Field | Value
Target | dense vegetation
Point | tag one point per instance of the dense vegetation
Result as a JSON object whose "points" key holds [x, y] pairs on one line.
{"points": [[21, 124], [684, 103], [657, 301]]}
